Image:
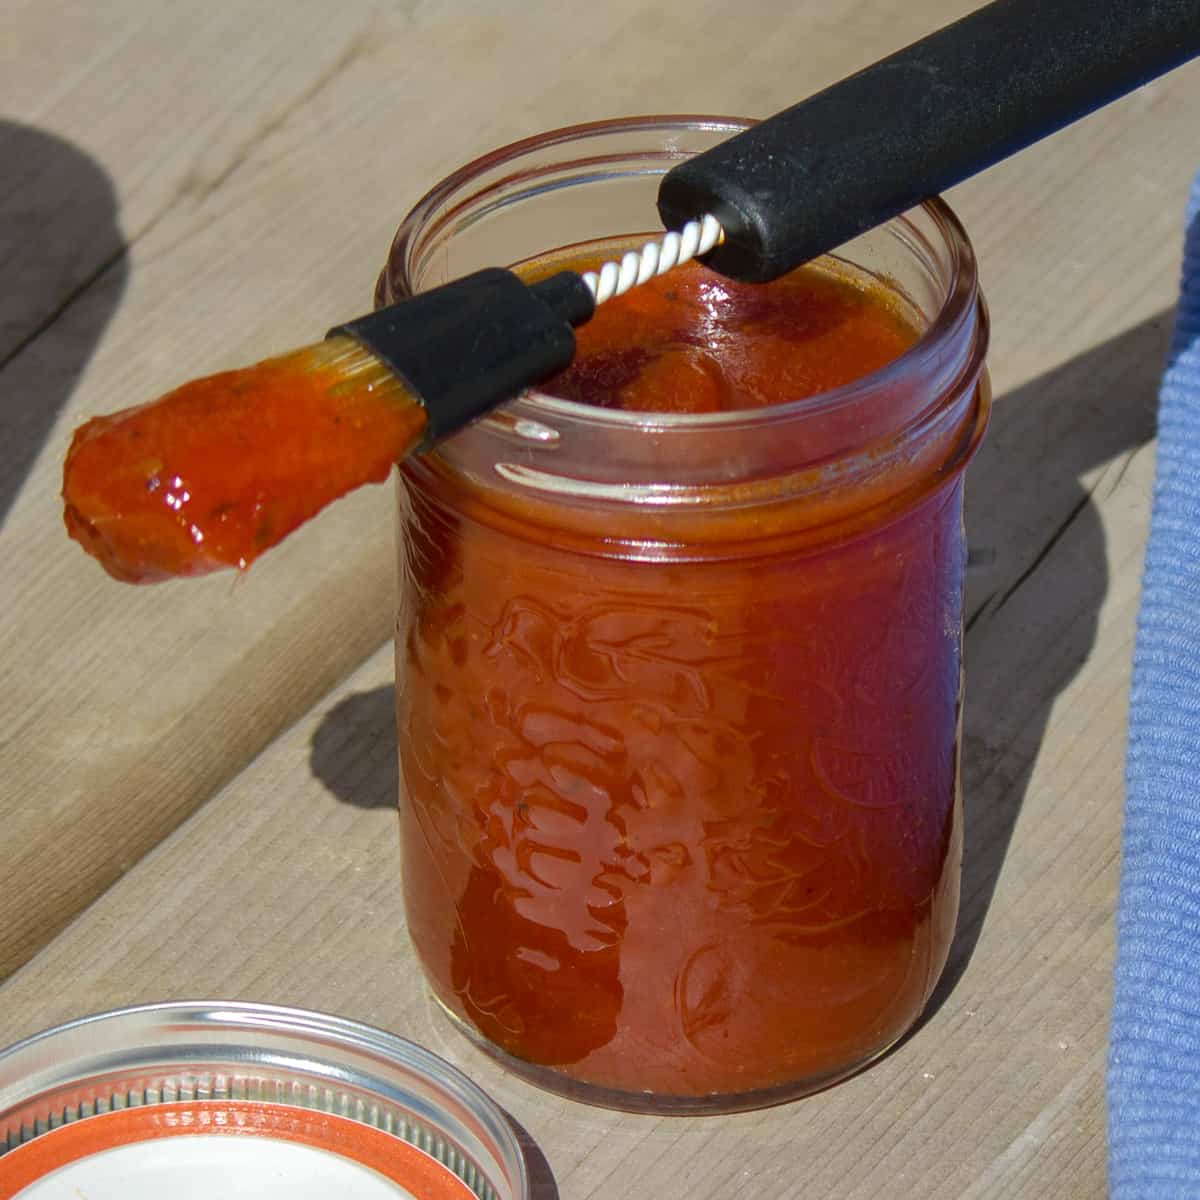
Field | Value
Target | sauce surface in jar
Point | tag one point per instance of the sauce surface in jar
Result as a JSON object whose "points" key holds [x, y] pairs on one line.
{"points": [[681, 824]]}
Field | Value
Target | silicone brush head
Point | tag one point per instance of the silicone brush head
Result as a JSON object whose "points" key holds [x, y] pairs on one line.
{"points": [[217, 471]]}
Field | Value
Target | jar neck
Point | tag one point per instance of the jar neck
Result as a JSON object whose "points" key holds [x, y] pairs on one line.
{"points": [[782, 514], [866, 446]]}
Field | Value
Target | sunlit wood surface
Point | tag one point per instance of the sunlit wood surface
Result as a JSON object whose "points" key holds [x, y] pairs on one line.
{"points": [[197, 780]]}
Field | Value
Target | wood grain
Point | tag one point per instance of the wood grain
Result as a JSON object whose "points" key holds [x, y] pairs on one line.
{"points": [[189, 186]]}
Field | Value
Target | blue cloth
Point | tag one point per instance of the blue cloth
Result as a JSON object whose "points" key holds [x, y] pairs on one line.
{"points": [[1154, 1052]]}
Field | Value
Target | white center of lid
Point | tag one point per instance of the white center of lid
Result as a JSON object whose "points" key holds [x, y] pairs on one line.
{"points": [[214, 1167]]}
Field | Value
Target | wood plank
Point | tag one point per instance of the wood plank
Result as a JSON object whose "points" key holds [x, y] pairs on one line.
{"points": [[124, 709], [285, 887], [205, 186], [259, 158]]}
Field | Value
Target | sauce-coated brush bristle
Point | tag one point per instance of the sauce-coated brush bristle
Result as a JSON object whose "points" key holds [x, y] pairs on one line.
{"points": [[349, 360], [171, 488]]}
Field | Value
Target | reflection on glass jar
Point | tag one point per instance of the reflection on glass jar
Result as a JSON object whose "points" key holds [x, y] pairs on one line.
{"points": [[678, 694]]}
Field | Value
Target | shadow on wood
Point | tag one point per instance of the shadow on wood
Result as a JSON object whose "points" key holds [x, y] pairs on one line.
{"points": [[353, 751], [1032, 617], [63, 269], [541, 1179]]}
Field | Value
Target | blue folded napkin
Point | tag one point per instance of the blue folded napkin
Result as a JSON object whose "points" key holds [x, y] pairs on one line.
{"points": [[1154, 1050]]}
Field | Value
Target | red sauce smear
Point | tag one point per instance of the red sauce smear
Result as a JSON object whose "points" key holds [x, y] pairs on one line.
{"points": [[686, 828], [220, 470]]}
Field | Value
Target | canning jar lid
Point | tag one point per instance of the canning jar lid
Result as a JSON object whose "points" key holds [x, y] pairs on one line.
{"points": [[198, 1099]]}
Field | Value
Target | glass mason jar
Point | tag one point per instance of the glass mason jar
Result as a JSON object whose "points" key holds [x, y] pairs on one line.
{"points": [[678, 695]]}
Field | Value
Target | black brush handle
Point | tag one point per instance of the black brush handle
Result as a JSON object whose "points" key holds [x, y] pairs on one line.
{"points": [[914, 124]]}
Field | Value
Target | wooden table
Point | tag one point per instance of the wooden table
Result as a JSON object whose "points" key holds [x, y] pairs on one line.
{"points": [[198, 779]]}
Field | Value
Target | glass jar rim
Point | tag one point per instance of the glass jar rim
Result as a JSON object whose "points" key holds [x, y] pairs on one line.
{"points": [[962, 301], [187, 1052]]}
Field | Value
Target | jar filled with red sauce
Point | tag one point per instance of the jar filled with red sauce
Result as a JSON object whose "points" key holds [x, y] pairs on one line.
{"points": [[679, 648]]}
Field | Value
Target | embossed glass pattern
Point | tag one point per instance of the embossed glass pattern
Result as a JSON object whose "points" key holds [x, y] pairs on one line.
{"points": [[678, 695]]}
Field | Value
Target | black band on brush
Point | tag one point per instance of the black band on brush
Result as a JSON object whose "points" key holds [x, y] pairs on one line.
{"points": [[469, 345]]}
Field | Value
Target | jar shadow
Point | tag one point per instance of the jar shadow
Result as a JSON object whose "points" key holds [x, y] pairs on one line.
{"points": [[353, 750], [1032, 613], [64, 268]]}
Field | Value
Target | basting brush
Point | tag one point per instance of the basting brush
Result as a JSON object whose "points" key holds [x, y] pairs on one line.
{"points": [[218, 471], [223, 468]]}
